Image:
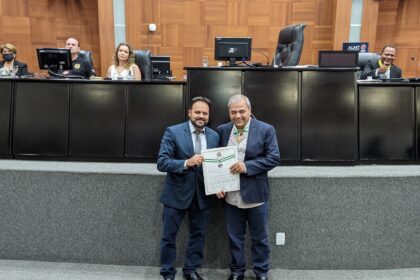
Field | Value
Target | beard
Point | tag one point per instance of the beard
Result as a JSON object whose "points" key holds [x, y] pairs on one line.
{"points": [[199, 125]]}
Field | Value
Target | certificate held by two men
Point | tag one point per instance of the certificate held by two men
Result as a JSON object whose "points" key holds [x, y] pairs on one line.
{"points": [[216, 164]]}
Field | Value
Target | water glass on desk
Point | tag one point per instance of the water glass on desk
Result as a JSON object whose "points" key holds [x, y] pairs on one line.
{"points": [[205, 61], [130, 75]]}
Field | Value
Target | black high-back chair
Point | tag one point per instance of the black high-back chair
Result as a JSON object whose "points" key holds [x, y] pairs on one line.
{"points": [[289, 46], [364, 60], [87, 55], [144, 62]]}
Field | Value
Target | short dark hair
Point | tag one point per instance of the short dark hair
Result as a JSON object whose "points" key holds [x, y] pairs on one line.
{"points": [[200, 99], [389, 46]]}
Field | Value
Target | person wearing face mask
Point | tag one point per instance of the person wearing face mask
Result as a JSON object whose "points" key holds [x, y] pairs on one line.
{"points": [[123, 66], [384, 68], [9, 61]]}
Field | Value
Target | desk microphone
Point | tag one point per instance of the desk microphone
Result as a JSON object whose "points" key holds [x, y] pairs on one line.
{"points": [[266, 56]]}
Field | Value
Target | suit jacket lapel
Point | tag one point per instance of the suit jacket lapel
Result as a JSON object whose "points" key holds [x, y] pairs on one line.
{"points": [[209, 140], [251, 136], [227, 134], [188, 139]]}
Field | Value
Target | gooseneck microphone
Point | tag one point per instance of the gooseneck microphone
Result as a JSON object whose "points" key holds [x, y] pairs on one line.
{"points": [[266, 56]]}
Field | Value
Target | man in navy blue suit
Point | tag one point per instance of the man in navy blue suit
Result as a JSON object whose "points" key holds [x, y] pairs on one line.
{"points": [[258, 152], [183, 192]]}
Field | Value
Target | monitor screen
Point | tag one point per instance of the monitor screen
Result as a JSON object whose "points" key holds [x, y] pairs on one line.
{"points": [[232, 49], [337, 59], [54, 59], [161, 66]]}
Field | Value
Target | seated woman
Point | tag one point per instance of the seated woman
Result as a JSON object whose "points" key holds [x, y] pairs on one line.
{"points": [[123, 67], [9, 62]]}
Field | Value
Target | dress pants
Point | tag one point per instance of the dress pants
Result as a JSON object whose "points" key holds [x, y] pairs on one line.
{"points": [[236, 221], [172, 219]]}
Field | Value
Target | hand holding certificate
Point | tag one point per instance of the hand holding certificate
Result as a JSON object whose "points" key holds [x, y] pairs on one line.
{"points": [[217, 175]]}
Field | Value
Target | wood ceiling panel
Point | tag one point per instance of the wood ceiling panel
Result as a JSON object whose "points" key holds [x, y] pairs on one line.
{"points": [[286, 1], [41, 8], [1, 32], [89, 33], [404, 61], [193, 56], [303, 12], [324, 12], [171, 12], [280, 14], [67, 9], [193, 13], [215, 13], [134, 17], [18, 8], [259, 13], [273, 36], [410, 12], [150, 11], [151, 39], [66, 28], [260, 36], [42, 29], [369, 22], [193, 35], [408, 37], [322, 37], [16, 28], [171, 35], [342, 18], [237, 13]]}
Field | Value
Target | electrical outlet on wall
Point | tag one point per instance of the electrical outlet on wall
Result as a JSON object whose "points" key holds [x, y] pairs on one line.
{"points": [[280, 238]]}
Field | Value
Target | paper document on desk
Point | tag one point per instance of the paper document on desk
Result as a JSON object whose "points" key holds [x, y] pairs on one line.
{"points": [[217, 175]]}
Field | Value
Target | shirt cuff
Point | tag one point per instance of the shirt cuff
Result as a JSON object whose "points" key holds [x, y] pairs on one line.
{"points": [[185, 164]]}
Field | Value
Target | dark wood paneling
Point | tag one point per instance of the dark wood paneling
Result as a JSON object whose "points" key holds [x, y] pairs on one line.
{"points": [[328, 115], [41, 118], [97, 122], [275, 99], [151, 109], [5, 111], [386, 123]]}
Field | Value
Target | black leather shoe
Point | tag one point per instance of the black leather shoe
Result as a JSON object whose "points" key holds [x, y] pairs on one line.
{"points": [[193, 276], [262, 278], [236, 277]]}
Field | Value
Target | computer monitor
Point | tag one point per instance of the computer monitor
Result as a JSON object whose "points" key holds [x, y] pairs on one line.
{"points": [[232, 49], [161, 67], [54, 59]]}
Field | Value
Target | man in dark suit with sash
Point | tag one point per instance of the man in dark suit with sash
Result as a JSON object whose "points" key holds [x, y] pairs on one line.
{"points": [[258, 152]]}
